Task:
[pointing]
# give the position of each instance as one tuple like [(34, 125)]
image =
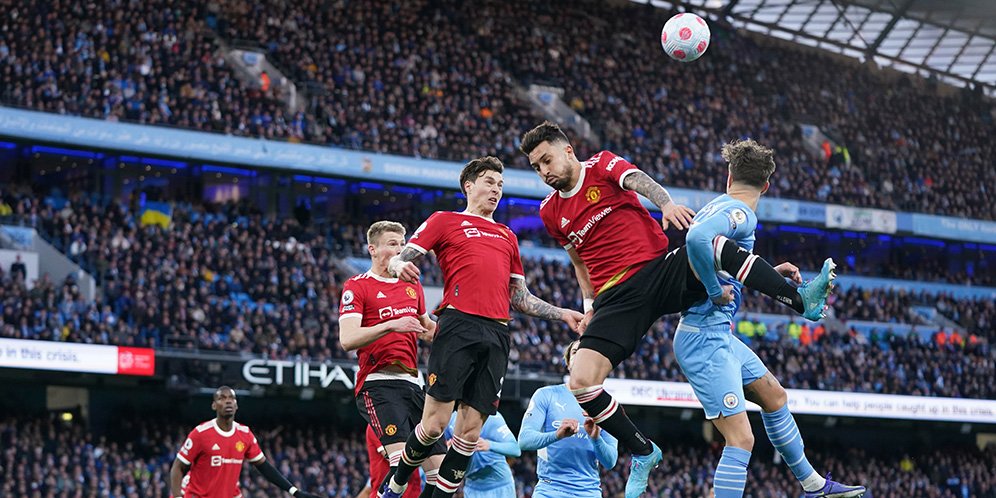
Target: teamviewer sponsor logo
[(577, 237), (388, 312)]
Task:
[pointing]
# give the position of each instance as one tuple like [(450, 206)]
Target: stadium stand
[(910, 148), (227, 278), (46, 457)]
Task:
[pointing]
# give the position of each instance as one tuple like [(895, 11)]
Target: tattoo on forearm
[(409, 254), (525, 302), (642, 184)]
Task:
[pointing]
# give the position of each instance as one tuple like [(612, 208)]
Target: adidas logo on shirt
[(466, 224), (564, 222), (216, 447), (380, 295)]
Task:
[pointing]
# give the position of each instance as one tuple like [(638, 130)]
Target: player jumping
[(214, 452), (628, 279), (721, 368), (568, 459), (381, 317), (482, 277), (488, 474)]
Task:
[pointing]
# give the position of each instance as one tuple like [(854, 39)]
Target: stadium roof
[(954, 40)]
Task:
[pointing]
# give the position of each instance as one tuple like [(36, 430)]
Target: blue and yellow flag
[(157, 213)]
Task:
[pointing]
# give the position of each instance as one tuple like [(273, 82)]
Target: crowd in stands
[(386, 81), (152, 62), (399, 77), (909, 151), (224, 277), (46, 458)]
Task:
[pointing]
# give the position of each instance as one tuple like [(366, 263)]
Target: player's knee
[(469, 434), (576, 381), (434, 428), (741, 439), (776, 399)]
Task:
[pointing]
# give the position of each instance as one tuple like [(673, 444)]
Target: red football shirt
[(606, 224), (375, 300), (379, 467), (215, 459), (478, 257)]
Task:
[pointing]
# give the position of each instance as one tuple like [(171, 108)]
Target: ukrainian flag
[(157, 213)]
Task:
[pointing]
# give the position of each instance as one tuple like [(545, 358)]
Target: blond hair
[(380, 227)]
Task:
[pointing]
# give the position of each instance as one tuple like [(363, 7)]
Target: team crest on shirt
[(391, 430), (411, 292), (731, 400), (240, 446), (593, 194), (432, 379)]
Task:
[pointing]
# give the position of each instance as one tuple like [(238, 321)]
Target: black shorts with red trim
[(393, 408), (468, 360), (624, 313)]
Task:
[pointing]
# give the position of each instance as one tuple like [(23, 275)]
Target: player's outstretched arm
[(524, 301), (176, 474), (606, 446), (702, 254), (501, 440), (277, 479), (531, 435), (641, 183), (353, 336), (403, 265)]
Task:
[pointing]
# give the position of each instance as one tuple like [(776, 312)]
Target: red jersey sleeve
[(428, 234), (515, 269), (351, 301), (253, 452), (614, 167), (191, 448)]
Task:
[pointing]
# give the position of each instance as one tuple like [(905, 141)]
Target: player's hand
[(483, 444), (591, 427), (572, 318), (789, 271), (408, 272), (677, 215), (406, 324), (430, 332), (583, 325), (725, 298), (568, 427)]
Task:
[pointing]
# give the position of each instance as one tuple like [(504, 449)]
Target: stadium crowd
[(223, 277), (153, 63), (911, 150), (47, 458), (386, 82)]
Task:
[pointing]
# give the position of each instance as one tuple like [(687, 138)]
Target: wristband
[(588, 304), (292, 490)]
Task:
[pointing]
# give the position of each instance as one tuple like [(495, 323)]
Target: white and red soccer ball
[(685, 37)]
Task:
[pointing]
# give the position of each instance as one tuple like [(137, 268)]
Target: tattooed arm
[(403, 265), (524, 301), (642, 184)]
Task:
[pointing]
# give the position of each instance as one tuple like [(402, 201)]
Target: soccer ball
[(685, 37)]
